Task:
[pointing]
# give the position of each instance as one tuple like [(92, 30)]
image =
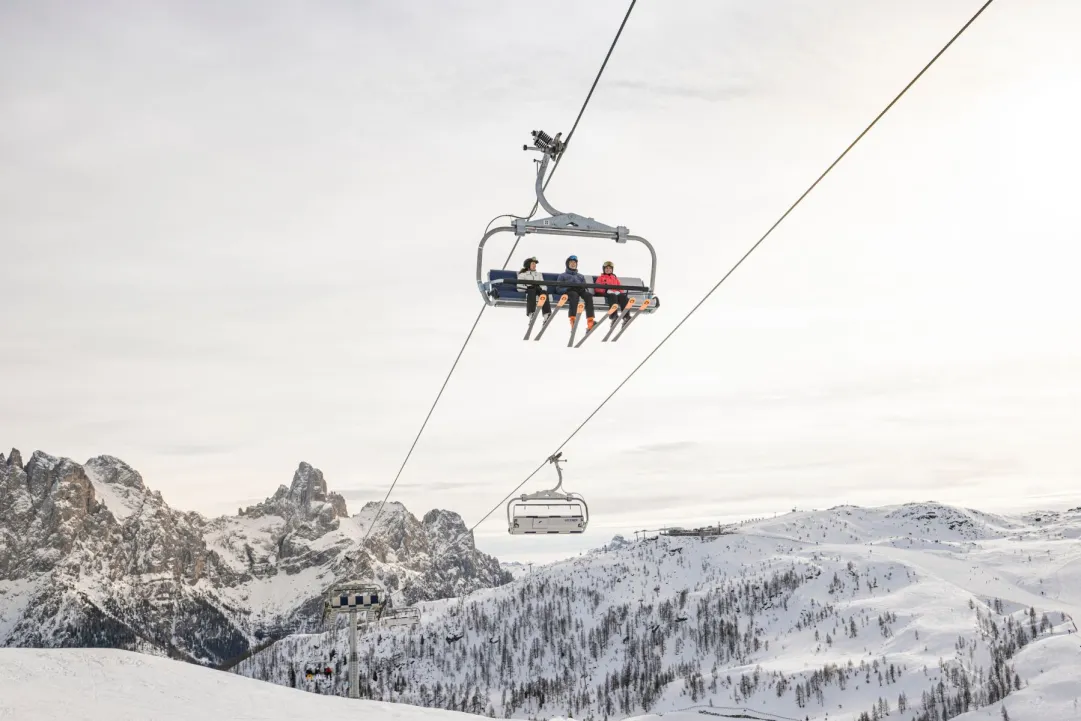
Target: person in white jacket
[(529, 272)]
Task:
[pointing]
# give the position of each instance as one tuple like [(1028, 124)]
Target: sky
[(240, 236)]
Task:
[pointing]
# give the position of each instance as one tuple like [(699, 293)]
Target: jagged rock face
[(309, 512), (47, 507), (116, 472), (306, 499), (89, 556)]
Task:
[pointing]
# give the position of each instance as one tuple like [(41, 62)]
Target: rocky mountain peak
[(308, 485), (305, 500), (446, 526), (14, 458), (110, 469), (45, 508)]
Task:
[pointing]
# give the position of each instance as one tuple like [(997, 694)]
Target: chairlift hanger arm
[(552, 148), (555, 461)]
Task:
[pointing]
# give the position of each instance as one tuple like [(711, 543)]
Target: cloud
[(195, 449), (709, 94), (669, 447)]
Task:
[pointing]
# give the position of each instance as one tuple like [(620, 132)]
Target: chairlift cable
[(581, 112), (726, 275), (469, 336)]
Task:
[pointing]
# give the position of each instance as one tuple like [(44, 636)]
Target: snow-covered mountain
[(516, 569), (920, 611), (89, 556)]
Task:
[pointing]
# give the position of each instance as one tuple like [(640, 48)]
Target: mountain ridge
[(92, 556)]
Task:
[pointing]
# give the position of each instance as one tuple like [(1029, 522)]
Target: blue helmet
[(570, 258)]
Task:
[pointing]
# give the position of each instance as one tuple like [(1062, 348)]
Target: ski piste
[(577, 320), (536, 311), (551, 317), (628, 323), (597, 325), (625, 317)]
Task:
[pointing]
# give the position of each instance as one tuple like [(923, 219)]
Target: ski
[(626, 315), (631, 320), (577, 320), (551, 316), (597, 325), (533, 317)]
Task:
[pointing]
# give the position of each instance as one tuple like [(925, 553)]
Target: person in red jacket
[(614, 297)]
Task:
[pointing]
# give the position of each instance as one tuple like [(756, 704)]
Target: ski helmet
[(608, 264), (570, 258)]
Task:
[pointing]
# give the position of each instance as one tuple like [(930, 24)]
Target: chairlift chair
[(525, 516), (500, 289), (407, 616)]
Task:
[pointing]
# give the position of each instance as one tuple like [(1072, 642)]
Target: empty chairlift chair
[(394, 617), (546, 512)]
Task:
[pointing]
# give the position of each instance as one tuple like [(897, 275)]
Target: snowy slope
[(110, 685), (838, 612)]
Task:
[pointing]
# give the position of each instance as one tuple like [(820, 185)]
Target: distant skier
[(571, 275), (327, 671), (529, 272), (614, 297)]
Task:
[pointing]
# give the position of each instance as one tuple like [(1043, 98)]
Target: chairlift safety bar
[(568, 284)]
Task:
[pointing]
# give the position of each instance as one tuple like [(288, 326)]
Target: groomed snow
[(109, 685)]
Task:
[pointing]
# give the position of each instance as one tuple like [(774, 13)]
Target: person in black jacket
[(571, 275)]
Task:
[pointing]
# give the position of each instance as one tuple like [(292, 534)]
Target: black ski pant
[(622, 299), (531, 300), (572, 303)]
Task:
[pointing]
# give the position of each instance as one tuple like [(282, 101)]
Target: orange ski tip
[(563, 299), (613, 309), (581, 306)]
